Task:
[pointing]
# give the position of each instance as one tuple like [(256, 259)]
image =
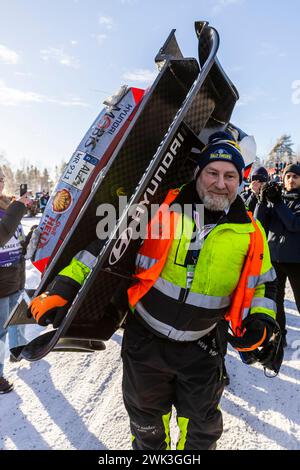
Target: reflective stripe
[(264, 302), (207, 301), (167, 288), (169, 331), (193, 298), (245, 312), (145, 262), (86, 258), (183, 425), (269, 276)]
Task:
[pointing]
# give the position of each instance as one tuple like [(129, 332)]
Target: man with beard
[(190, 274), (279, 212)]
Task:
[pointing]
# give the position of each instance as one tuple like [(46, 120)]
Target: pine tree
[(9, 188), (46, 182), (282, 152)]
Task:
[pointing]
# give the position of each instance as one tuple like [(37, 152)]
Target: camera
[(270, 190)]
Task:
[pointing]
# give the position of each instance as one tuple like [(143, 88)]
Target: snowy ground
[(74, 401)]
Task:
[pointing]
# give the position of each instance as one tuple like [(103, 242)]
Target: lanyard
[(201, 234)]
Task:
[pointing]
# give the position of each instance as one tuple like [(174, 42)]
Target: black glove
[(262, 197), (270, 355), (52, 306), (272, 192), (258, 330)]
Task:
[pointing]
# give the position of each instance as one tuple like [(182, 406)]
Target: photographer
[(258, 177), (279, 213), (12, 270)]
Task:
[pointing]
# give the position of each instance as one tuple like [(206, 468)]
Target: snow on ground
[(74, 400)]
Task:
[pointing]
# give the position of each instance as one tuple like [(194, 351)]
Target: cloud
[(73, 42), (24, 74), (101, 38), (140, 75), (14, 97), (71, 102), (253, 96), (220, 5), (58, 55), (235, 69), (268, 49), (8, 56), (107, 22)]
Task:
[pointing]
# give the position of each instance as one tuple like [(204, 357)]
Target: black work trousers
[(284, 271), (159, 373)]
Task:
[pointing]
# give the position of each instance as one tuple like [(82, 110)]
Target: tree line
[(36, 179)]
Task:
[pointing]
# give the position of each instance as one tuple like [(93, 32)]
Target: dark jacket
[(12, 278), (282, 224), (250, 200)]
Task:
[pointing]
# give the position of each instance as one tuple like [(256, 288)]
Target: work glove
[(52, 305), (270, 355), (257, 333), (271, 192)]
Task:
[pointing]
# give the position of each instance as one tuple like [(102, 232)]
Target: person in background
[(258, 177), (12, 271), (279, 213), (44, 200)]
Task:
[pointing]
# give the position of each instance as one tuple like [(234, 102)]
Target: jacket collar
[(292, 195)]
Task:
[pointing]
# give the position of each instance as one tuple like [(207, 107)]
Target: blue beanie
[(222, 147)]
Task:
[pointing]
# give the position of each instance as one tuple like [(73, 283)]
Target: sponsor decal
[(79, 170), (120, 119), (50, 227), (61, 201), (108, 123), (121, 245), (104, 122)]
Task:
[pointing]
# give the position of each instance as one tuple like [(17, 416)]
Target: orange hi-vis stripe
[(243, 294), (163, 226)]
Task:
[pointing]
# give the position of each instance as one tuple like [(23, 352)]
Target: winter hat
[(221, 147), (293, 168), (260, 174)]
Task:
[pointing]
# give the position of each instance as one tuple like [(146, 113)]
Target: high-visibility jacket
[(229, 278)]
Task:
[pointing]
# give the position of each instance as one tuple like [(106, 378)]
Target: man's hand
[(257, 334), (25, 199), (272, 192), (47, 308), (255, 186), (51, 306)]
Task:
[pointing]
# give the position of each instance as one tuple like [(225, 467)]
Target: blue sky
[(60, 59)]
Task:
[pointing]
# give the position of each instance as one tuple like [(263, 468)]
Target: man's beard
[(215, 203)]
